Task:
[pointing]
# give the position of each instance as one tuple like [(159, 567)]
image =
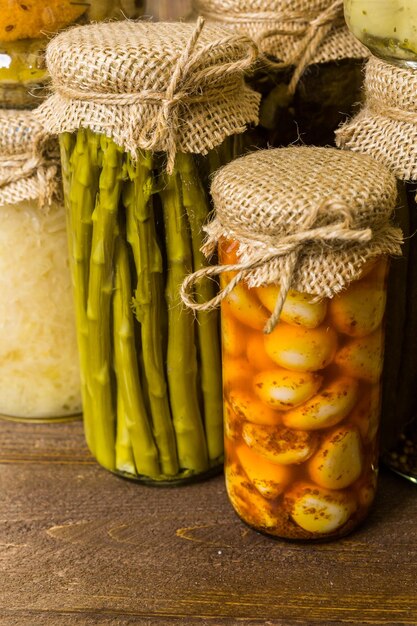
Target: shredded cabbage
[(39, 370)]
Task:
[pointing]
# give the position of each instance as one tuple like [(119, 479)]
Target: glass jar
[(302, 405), (387, 27), (151, 371), (137, 201), (24, 33), (39, 372)]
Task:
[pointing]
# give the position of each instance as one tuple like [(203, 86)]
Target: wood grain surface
[(79, 546)]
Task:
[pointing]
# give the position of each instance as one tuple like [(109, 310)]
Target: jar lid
[(386, 127), (29, 160), (304, 218), (152, 86), (278, 27)]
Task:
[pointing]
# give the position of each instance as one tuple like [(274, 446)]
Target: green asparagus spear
[(80, 169), (197, 207), (181, 354), (102, 409), (125, 461), (129, 391), (148, 301)]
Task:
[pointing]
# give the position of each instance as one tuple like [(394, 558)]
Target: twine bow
[(312, 33), (186, 86), (288, 247), (27, 165)]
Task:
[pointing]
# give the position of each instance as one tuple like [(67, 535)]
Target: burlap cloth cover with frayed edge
[(295, 32), (386, 127), (155, 86), (29, 161), (306, 218)]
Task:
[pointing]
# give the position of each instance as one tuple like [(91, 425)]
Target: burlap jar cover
[(300, 221), (29, 161), (294, 33), (386, 129), (159, 87)]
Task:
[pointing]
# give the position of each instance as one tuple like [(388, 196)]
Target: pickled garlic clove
[(245, 307), (279, 444), (236, 373), (248, 408), (233, 336), (256, 353), (319, 510), (338, 462), (359, 310), (363, 357), (270, 479), (246, 500), (299, 308), (366, 413), (301, 349), (329, 407), (283, 390)]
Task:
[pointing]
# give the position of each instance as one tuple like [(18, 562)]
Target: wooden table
[(79, 546)]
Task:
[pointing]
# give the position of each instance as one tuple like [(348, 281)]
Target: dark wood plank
[(80, 546)]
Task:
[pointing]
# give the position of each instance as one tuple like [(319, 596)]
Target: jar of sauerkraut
[(26, 27), (303, 266), (387, 27), (39, 374)]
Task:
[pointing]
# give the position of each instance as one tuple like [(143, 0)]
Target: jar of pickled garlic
[(39, 373), (26, 27), (386, 130), (136, 202), (387, 27), (303, 265), (310, 69)]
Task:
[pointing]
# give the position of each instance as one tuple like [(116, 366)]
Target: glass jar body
[(39, 374), (387, 27), (24, 33), (302, 406), (151, 371), (399, 414), (326, 95)]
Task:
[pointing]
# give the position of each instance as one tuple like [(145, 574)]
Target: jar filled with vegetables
[(310, 69), (387, 27), (142, 110), (386, 129), (26, 26), (39, 373), (303, 266)]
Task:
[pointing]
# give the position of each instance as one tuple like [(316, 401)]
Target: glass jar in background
[(151, 370), (310, 77), (385, 129), (39, 372), (303, 269), (387, 27), (25, 29)]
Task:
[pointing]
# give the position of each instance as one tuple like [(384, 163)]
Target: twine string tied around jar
[(266, 248), (187, 85)]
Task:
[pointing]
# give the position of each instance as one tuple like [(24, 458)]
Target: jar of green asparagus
[(310, 69), (25, 28), (386, 129), (39, 373), (142, 110)]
